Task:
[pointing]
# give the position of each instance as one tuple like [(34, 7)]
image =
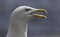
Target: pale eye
[(27, 9)]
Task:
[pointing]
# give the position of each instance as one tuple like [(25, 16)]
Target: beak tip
[(43, 16)]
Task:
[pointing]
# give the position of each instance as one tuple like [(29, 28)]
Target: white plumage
[(19, 20)]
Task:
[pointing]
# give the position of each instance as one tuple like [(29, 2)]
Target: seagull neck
[(18, 28)]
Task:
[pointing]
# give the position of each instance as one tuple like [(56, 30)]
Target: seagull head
[(29, 12), (20, 18)]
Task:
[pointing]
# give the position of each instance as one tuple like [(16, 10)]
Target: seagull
[(20, 18)]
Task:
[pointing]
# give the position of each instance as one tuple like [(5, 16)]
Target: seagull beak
[(39, 15)]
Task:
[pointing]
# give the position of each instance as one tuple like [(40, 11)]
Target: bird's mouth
[(40, 15)]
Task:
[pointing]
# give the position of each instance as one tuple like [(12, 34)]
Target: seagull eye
[(27, 9)]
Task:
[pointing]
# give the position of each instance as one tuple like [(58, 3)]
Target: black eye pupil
[(28, 9)]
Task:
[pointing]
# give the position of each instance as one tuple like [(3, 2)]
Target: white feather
[(19, 22)]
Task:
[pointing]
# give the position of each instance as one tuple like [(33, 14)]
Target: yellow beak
[(39, 15)]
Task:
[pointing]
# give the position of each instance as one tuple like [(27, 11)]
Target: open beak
[(39, 15)]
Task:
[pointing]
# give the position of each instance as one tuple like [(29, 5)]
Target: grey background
[(37, 27)]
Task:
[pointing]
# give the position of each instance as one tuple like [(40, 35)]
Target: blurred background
[(49, 27)]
